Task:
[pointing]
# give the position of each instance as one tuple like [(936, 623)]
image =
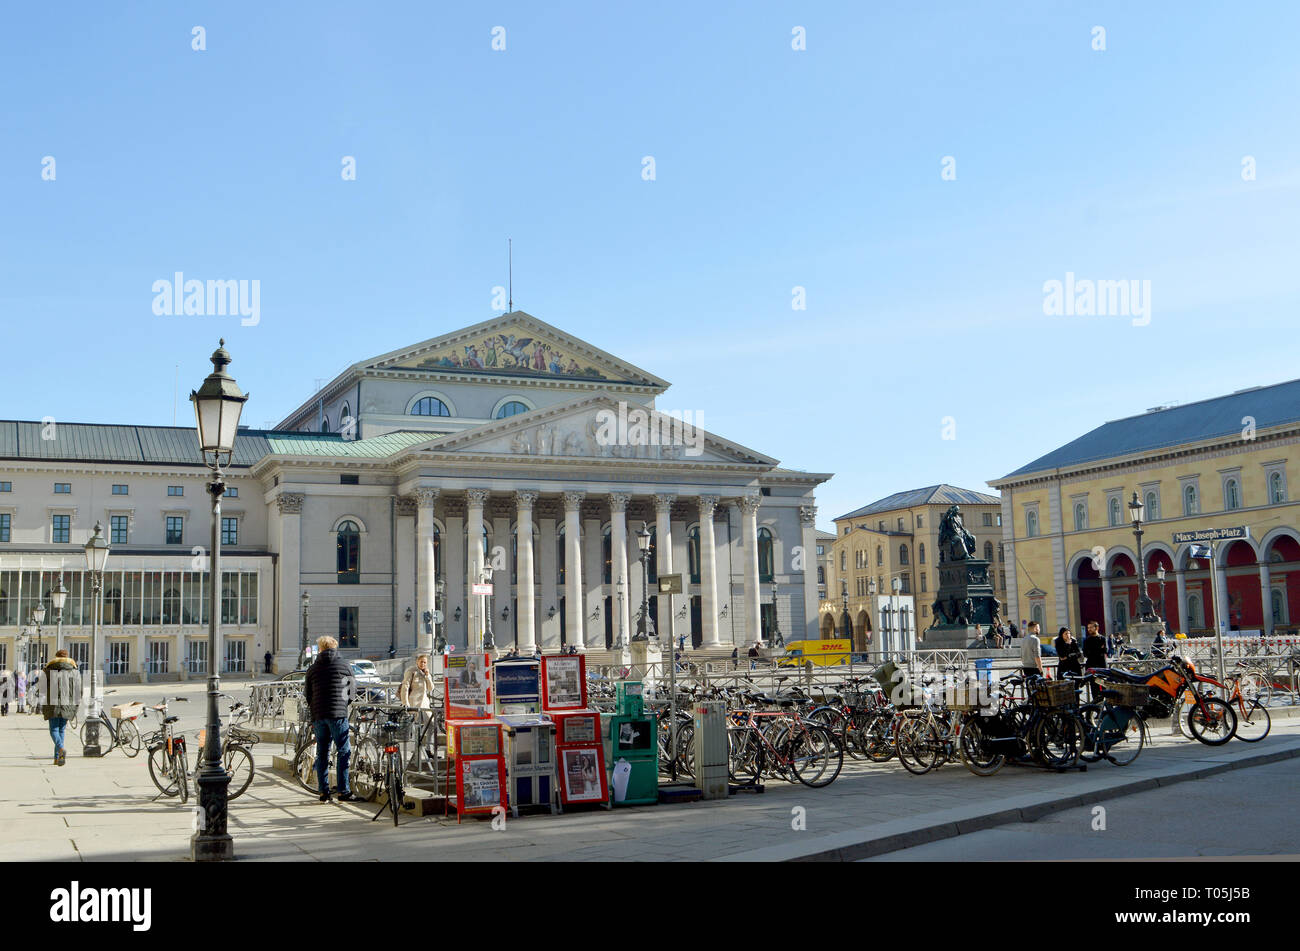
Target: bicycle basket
[(1054, 694), (1127, 695), (242, 736), (399, 729)]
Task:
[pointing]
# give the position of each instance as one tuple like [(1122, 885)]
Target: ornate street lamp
[(38, 619), (1160, 576), (1144, 608), (489, 639), (217, 406), (845, 622), (305, 601), (622, 632), (896, 586), (58, 598), (440, 591), (645, 628), (96, 558), (776, 618)]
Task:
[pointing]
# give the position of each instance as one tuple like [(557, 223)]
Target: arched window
[(325, 424), (513, 408), (607, 556), (988, 551), (1120, 615), (693, 556), (1114, 511), (430, 406), (1276, 490), (1036, 614), (902, 555), (1031, 524), (766, 566), (880, 555), (1080, 516), (1194, 618), (844, 560), (1278, 605), (345, 415), (1189, 500), (920, 553), (348, 553), (1153, 506), (1231, 495)]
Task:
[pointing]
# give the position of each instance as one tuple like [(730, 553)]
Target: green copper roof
[(332, 444)]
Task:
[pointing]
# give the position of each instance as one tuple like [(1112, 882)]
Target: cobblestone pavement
[(97, 809)]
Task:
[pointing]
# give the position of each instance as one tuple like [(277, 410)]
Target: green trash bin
[(631, 740)]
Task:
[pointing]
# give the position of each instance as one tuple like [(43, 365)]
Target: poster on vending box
[(582, 773), (467, 687), (564, 682), (479, 784)]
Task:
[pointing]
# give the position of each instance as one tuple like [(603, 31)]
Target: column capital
[(573, 500), (524, 499), (748, 504), (664, 502), (618, 501), (808, 514), (707, 505), (406, 505), (426, 495), (477, 497), (290, 503)]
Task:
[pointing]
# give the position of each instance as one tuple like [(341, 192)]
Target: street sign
[(1211, 535), (480, 587), (670, 584)]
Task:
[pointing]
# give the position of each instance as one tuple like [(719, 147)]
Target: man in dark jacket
[(1094, 647), (60, 691), (328, 688)]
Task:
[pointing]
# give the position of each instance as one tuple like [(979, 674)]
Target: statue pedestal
[(1142, 633), (948, 637)]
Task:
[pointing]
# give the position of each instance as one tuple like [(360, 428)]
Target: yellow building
[(897, 537), (1219, 463)]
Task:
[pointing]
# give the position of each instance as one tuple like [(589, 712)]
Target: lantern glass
[(1136, 508), (97, 550), (39, 613), (643, 538), (59, 596)]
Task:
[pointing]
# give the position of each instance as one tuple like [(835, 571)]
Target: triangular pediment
[(599, 426), (516, 344)]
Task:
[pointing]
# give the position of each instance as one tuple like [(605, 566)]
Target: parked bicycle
[(121, 733), (236, 751), (1114, 730), (167, 764), (788, 746), (1253, 719)]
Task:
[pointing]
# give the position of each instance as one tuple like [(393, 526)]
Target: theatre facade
[(383, 499)]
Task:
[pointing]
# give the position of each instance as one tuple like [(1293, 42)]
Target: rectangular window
[(248, 598), (6, 486), (120, 490), (920, 521), (117, 529), (79, 651), (196, 656), (4, 527), (230, 531), (171, 597), (62, 529), (175, 525), (63, 488), (232, 492), (923, 584), (175, 490), (988, 519), (158, 657), (349, 480), (347, 627), (119, 657)]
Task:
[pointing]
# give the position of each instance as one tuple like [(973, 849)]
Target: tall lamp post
[(776, 619), (440, 602), (96, 558), (645, 628), (1164, 615), (1144, 608), (58, 598), (305, 601), (489, 600), (38, 619), (896, 586), (217, 406), (622, 631)]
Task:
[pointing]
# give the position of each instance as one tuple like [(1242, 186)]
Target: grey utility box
[(710, 743)]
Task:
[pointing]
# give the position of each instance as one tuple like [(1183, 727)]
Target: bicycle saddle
[(171, 720), (1126, 677)]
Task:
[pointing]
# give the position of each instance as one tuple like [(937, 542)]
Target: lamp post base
[(211, 842), (211, 848), (92, 747)]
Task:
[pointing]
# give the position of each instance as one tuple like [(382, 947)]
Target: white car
[(366, 672)]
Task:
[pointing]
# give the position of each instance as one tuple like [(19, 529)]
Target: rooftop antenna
[(176, 382), (510, 273)]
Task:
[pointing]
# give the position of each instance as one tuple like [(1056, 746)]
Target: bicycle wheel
[(180, 773), (239, 767), (1056, 739), (106, 740), (686, 749), (1253, 721), (160, 771), (128, 737), (744, 755), (1179, 718), (304, 768), (818, 757), (1212, 721), (917, 741), (1255, 685), (880, 741), (855, 735), (974, 753), (1090, 748), (831, 718), (1122, 744), (395, 792), (365, 770)]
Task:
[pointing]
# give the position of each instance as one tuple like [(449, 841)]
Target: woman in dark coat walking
[(1068, 653)]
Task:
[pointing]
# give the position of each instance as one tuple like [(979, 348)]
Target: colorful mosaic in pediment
[(515, 350)]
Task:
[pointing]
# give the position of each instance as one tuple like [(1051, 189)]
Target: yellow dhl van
[(821, 653)]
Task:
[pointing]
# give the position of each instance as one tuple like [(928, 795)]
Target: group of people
[(1072, 655), (55, 689)]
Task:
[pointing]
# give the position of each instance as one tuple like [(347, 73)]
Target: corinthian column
[(708, 575), (618, 568), (749, 515), (524, 499), (475, 499), (573, 616), (426, 565)]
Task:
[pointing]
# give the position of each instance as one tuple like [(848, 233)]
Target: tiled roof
[(942, 494), (1191, 422)]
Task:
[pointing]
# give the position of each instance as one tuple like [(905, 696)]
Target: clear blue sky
[(775, 168)]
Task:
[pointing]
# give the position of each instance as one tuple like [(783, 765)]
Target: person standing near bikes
[(61, 692), (1031, 652), (1069, 652), (417, 691), (1094, 647), (328, 688)]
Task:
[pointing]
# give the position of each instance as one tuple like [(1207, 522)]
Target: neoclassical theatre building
[(509, 444)]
